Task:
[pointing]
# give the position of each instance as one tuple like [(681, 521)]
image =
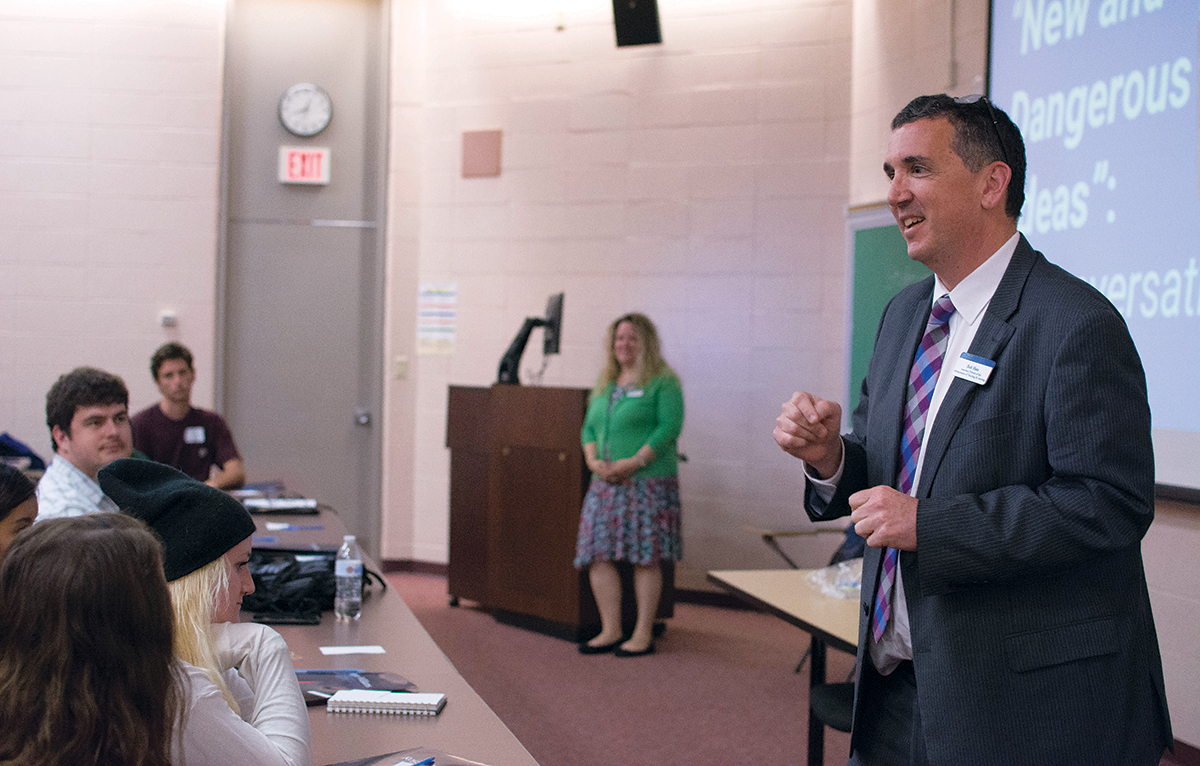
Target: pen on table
[(329, 671)]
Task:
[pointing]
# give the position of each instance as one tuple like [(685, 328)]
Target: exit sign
[(303, 165)]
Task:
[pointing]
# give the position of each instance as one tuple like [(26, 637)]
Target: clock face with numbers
[(305, 109)]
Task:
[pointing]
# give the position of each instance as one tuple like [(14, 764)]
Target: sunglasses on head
[(991, 113)]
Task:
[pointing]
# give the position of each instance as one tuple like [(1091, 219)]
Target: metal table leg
[(816, 729)]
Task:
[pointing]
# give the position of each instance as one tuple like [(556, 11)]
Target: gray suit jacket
[(1033, 640)]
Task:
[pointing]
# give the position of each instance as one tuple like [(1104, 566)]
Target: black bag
[(294, 586), (291, 582)]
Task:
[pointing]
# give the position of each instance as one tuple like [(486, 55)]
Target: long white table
[(467, 727)]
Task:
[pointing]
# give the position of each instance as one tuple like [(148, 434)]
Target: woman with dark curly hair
[(87, 671)]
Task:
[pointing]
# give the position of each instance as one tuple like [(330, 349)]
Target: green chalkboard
[(881, 269)]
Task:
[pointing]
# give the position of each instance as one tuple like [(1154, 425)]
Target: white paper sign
[(374, 649)]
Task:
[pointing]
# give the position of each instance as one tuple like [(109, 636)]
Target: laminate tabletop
[(791, 595), (466, 727)]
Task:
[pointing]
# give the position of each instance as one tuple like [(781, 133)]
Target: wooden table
[(791, 596), (466, 727)]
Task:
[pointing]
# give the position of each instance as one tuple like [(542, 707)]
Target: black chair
[(829, 704), (833, 704)]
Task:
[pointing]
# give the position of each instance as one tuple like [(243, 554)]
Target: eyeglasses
[(991, 113)]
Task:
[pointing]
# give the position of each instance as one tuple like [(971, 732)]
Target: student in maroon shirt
[(195, 441)]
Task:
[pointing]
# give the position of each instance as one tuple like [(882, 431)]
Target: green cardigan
[(651, 415)]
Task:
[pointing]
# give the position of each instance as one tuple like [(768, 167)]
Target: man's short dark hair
[(977, 139), (165, 353), (81, 387)]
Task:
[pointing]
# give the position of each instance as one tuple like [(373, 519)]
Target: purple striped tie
[(921, 381)]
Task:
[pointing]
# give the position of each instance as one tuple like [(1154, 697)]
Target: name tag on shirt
[(193, 435), (635, 393), (974, 368)]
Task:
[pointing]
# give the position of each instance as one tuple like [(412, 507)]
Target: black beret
[(196, 523)]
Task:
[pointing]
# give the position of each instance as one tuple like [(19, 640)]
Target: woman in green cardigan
[(631, 511)]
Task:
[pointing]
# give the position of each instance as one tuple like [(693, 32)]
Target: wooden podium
[(517, 481)]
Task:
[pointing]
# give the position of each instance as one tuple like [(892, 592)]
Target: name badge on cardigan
[(973, 368), (634, 393), (193, 435)]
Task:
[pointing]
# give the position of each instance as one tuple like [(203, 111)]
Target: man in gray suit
[(1003, 494)]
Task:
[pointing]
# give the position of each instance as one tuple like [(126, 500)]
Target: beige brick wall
[(109, 144), (702, 181)]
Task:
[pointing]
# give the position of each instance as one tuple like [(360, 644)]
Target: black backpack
[(294, 586)]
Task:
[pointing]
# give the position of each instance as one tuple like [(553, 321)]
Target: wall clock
[(305, 109)]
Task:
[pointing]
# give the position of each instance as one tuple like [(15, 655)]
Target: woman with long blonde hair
[(244, 704), (631, 511)]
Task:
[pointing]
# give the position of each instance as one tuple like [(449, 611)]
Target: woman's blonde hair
[(194, 598), (650, 364)]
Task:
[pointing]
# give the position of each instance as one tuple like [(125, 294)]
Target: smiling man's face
[(935, 199)]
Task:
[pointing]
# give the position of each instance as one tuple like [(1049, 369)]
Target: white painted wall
[(904, 49), (109, 141), (702, 181)]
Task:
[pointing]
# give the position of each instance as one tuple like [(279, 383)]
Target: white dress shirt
[(64, 490), (970, 297)]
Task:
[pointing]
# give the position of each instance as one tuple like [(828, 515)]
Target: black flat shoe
[(586, 648), (619, 652)]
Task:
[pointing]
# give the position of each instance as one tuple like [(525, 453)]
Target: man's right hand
[(808, 429)]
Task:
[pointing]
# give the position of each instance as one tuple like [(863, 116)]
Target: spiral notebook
[(393, 703)]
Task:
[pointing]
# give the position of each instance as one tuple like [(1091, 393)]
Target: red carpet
[(719, 691)]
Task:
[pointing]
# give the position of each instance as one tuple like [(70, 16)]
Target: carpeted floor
[(719, 691)]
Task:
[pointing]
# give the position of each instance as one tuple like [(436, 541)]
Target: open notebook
[(319, 685), (416, 755)]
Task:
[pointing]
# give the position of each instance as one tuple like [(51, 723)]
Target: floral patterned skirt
[(637, 521)]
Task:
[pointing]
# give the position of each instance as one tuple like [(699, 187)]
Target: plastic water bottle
[(347, 604)]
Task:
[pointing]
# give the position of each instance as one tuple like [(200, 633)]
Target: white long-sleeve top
[(273, 727)]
